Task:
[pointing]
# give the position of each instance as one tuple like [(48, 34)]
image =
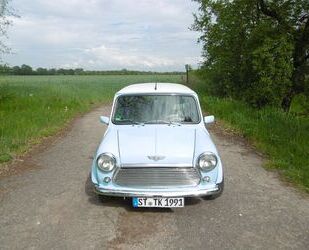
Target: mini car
[(156, 148)]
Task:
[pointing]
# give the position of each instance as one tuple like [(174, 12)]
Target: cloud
[(101, 34), (131, 59)]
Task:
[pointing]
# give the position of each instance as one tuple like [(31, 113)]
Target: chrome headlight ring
[(207, 161), (106, 162)]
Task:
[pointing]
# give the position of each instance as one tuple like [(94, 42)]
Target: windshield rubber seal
[(155, 94)]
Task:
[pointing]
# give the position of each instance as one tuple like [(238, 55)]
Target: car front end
[(158, 181), (156, 152)]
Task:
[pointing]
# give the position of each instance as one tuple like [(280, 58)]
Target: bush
[(283, 137)]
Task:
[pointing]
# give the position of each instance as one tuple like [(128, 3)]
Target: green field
[(34, 107)]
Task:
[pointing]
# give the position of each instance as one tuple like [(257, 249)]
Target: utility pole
[(187, 72)]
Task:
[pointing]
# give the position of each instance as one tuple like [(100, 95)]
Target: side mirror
[(104, 120), (209, 119)]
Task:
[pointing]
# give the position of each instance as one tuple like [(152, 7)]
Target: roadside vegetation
[(282, 137), (255, 76), (33, 107)]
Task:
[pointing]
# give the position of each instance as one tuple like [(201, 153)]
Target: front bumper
[(215, 189)]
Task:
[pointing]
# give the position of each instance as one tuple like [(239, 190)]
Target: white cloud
[(103, 34), (113, 56)]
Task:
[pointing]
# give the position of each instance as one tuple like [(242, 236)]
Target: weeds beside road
[(284, 138)]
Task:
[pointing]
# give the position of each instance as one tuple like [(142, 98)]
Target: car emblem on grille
[(156, 157)]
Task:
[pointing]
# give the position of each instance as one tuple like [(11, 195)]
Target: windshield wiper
[(174, 123), (133, 122), (156, 122), (164, 122)]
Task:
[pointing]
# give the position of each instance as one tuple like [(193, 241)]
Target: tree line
[(255, 50), (28, 70)]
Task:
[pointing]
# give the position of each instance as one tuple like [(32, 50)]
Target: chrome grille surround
[(158, 177)]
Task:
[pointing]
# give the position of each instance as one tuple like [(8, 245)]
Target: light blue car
[(156, 148)]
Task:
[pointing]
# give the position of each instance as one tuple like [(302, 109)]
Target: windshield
[(134, 109)]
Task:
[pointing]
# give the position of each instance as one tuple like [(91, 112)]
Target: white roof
[(144, 88)]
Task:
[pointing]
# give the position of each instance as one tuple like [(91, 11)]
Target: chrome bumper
[(193, 192)]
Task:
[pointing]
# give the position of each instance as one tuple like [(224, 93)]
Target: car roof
[(154, 88)]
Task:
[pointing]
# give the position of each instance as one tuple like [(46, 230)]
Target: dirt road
[(51, 205)]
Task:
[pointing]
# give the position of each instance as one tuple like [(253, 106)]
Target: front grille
[(157, 176)]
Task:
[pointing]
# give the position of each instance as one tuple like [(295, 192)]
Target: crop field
[(34, 107)]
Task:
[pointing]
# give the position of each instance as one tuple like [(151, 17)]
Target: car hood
[(156, 145)]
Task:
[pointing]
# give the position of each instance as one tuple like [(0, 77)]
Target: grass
[(283, 137), (34, 107)]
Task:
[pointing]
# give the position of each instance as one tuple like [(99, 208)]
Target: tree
[(257, 50), (79, 71), (292, 17), (41, 71), (5, 12), (25, 70), (52, 71), (227, 28), (16, 70), (4, 69)]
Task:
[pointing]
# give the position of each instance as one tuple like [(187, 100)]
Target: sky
[(104, 34)]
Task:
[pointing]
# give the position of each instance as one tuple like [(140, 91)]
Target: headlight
[(207, 161), (106, 162)]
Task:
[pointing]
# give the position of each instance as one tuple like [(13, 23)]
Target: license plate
[(158, 202)]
